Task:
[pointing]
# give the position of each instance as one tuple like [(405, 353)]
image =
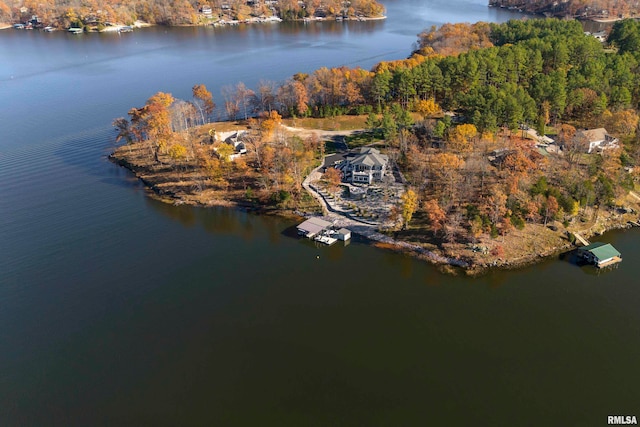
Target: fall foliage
[(575, 8), (466, 150), (274, 166), (94, 14)]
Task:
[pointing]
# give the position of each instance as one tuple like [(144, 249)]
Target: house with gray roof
[(364, 166), (597, 139)]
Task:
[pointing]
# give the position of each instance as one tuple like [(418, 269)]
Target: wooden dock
[(613, 261), (581, 239)]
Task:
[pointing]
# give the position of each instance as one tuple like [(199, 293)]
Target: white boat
[(325, 239)]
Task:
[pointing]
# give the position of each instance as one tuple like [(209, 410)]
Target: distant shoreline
[(220, 23)]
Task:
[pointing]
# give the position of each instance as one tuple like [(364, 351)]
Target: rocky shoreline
[(452, 260)]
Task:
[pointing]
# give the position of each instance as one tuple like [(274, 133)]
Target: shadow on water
[(219, 220)]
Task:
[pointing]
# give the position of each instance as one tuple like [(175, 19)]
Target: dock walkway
[(581, 239)]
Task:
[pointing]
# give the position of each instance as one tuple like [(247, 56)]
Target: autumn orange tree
[(203, 100), (153, 122), (435, 214), (333, 178)]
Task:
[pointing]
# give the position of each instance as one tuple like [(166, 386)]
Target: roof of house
[(595, 135), (333, 159), (601, 250), (344, 231), (314, 225), (370, 157)]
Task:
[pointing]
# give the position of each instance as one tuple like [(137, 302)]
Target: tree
[(294, 97), (372, 122), (177, 152), (270, 122), (550, 209), (623, 122), (231, 102), (439, 129), (224, 151), (409, 206), (625, 35), (403, 85), (435, 214), (183, 115), (153, 121), (203, 100), (496, 206), (401, 116), (123, 127), (427, 107), (380, 87), (389, 126), (265, 99), (573, 143), (244, 98), (446, 172), (460, 137), (333, 178), (498, 251)]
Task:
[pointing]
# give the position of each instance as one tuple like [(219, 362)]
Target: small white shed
[(343, 234)]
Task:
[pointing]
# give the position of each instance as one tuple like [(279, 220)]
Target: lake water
[(119, 310)]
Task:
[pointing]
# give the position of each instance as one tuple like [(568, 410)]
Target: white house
[(597, 139), (364, 166)]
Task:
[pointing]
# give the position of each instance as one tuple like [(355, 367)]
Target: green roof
[(601, 250)]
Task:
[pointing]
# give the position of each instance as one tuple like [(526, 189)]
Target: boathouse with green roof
[(601, 254)]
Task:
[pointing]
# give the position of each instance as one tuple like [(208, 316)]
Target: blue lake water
[(119, 310)]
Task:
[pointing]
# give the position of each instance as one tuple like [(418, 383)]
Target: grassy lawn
[(363, 138)]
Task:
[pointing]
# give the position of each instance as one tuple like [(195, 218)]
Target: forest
[(64, 13), (453, 117)]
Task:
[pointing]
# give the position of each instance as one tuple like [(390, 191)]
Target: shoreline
[(538, 242), (220, 23)]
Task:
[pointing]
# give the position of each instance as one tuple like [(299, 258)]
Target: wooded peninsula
[(592, 9), (492, 145)]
